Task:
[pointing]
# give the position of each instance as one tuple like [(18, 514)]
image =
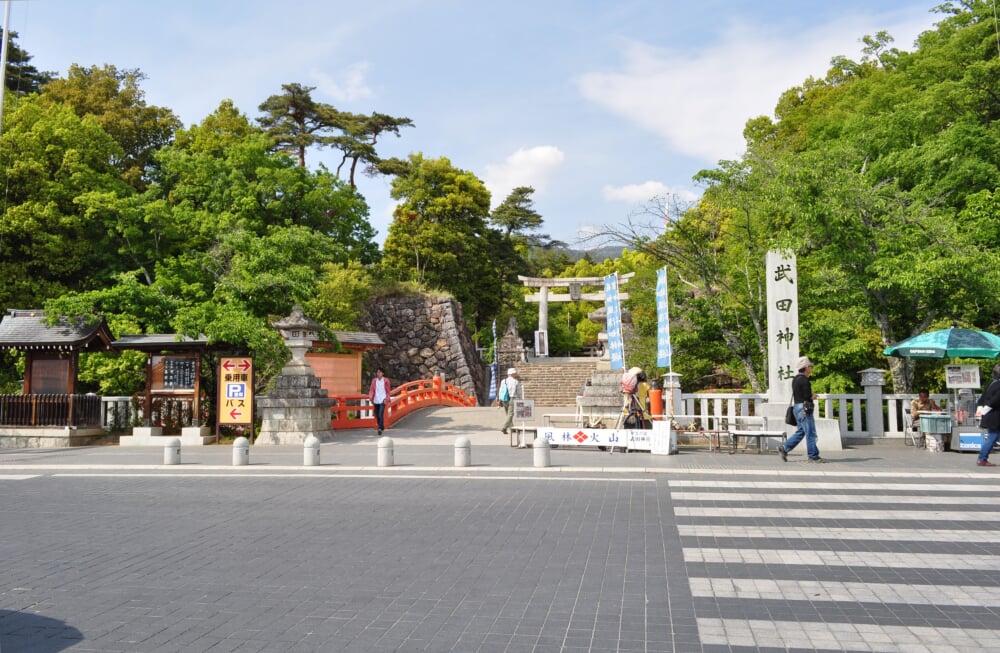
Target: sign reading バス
[(236, 390)]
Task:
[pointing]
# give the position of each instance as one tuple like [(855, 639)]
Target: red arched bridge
[(355, 411)]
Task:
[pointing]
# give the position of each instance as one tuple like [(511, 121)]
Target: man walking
[(510, 389), (990, 412), (802, 407)]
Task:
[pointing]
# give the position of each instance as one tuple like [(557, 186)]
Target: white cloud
[(532, 166), (644, 192), (699, 101), (635, 192), (349, 86)]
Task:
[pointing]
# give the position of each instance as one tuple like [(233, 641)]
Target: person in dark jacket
[(990, 402), (802, 406)]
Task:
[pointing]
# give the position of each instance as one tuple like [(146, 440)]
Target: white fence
[(715, 410), (712, 411)]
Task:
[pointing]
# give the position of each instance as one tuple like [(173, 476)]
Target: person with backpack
[(635, 389), (510, 389)]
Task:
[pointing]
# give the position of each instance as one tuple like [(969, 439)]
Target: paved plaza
[(884, 548)]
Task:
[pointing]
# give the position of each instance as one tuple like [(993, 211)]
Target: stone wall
[(423, 336)]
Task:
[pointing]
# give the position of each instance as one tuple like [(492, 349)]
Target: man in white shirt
[(513, 391)]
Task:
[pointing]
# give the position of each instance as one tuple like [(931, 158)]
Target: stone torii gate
[(575, 294)]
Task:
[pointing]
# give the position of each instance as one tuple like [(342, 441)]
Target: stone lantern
[(298, 332), (297, 407)]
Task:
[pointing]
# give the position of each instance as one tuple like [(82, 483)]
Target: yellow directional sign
[(236, 390)]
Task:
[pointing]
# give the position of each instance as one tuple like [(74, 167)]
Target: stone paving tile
[(583, 557)]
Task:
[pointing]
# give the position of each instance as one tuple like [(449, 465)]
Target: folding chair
[(912, 436)]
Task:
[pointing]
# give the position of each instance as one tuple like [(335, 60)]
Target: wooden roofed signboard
[(52, 351), (173, 368)]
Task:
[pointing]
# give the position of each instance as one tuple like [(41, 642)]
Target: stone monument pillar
[(297, 407), (872, 380)]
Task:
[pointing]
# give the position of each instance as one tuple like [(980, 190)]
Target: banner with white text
[(663, 350), (612, 304)]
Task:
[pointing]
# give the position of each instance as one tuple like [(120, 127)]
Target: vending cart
[(963, 381)]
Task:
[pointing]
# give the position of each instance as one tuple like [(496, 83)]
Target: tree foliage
[(22, 77), (117, 103), (48, 243), (881, 178), (295, 122), (440, 238)]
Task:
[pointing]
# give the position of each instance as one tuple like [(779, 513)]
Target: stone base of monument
[(827, 430), (297, 408), (152, 436)]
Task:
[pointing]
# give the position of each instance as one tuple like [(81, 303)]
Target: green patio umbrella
[(948, 343)]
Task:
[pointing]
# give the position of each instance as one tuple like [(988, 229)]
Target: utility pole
[(3, 59)]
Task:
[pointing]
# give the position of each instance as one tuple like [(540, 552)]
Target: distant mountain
[(597, 254)]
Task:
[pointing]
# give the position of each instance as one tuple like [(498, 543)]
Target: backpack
[(504, 392)]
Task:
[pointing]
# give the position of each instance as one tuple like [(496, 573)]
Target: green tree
[(358, 140), (439, 236), (516, 214), (48, 243), (295, 122), (227, 237), (340, 295), (22, 77), (118, 104)]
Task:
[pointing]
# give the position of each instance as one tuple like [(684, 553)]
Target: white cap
[(511, 372), (802, 363)]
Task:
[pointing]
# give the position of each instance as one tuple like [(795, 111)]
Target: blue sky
[(600, 106)]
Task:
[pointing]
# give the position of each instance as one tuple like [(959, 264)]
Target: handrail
[(356, 411)]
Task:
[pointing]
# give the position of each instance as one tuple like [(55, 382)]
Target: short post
[(463, 452), (872, 380), (542, 452), (310, 451), (241, 451), (385, 452), (172, 452)]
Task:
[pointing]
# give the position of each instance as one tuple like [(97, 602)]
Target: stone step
[(553, 383)]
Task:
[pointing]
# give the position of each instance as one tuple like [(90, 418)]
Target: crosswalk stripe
[(851, 499), (838, 533), (844, 637), (825, 590), (17, 477), (826, 485), (854, 511), (839, 558), (741, 575)]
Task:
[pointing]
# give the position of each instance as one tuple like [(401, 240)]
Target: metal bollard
[(241, 451), (172, 452), (310, 451), (463, 452), (385, 451), (543, 452)]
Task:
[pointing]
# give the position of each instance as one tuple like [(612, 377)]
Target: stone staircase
[(603, 400), (553, 381)]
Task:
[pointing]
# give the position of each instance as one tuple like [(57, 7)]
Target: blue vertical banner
[(612, 304), (663, 350), (493, 365)]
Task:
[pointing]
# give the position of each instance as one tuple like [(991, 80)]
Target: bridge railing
[(356, 411)]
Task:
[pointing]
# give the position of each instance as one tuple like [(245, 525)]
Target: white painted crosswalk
[(835, 565)]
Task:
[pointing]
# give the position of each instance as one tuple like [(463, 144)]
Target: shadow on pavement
[(24, 631)]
